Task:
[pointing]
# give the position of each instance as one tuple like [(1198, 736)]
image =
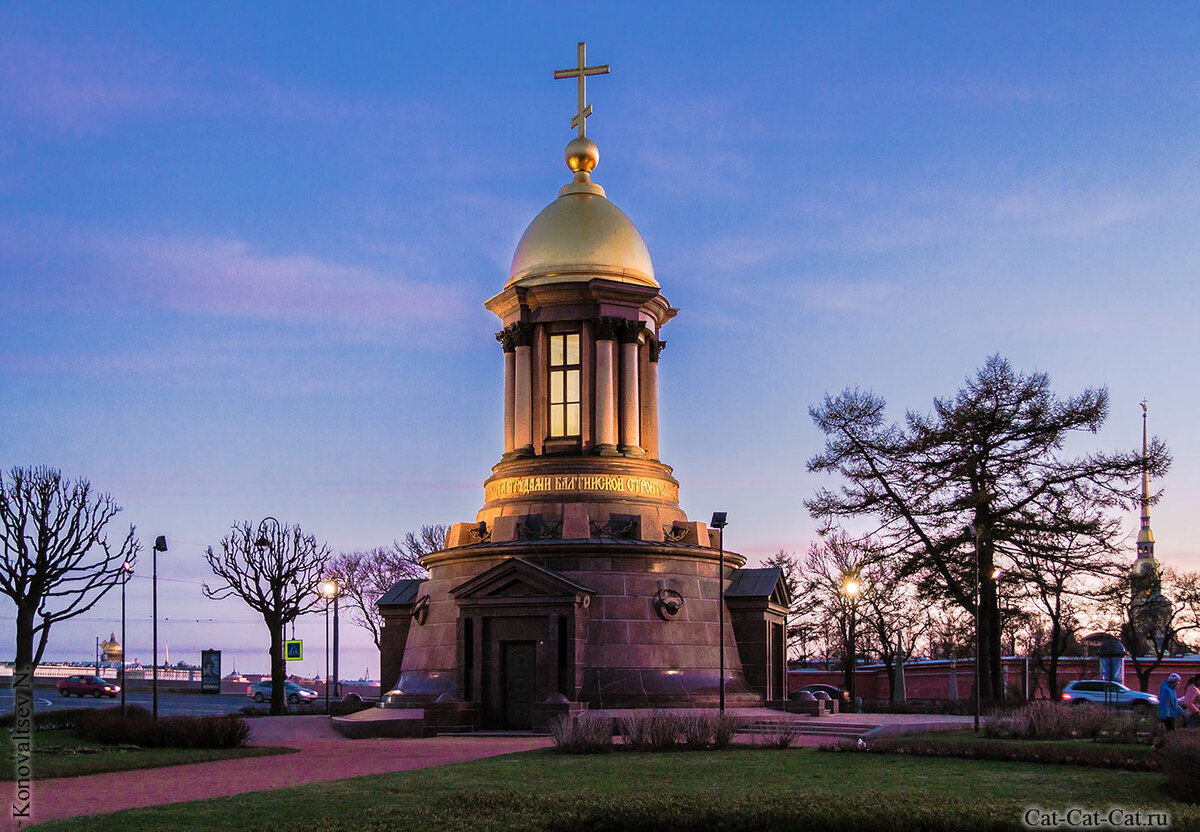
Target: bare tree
[(366, 576), (1054, 570), (833, 575), (1150, 612), (275, 569), (800, 628), (891, 612), (56, 561)]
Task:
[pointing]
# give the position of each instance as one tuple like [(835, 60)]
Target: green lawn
[(794, 790), (62, 754)]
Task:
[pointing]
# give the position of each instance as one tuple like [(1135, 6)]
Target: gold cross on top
[(581, 72)]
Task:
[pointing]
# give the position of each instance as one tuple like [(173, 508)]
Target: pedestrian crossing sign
[(293, 650)]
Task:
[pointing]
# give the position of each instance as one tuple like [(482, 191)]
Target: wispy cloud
[(85, 86), (223, 278), (227, 277)]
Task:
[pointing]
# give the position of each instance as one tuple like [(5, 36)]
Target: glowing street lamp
[(851, 588), (330, 589)]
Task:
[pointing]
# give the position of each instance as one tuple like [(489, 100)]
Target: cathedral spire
[(1145, 538)]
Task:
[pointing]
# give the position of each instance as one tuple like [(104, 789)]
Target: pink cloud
[(228, 278)]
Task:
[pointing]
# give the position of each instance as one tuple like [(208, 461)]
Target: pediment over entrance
[(518, 578)]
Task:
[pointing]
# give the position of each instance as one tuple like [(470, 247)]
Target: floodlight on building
[(160, 545), (719, 522)]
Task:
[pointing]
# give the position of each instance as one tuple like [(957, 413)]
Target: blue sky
[(243, 251)]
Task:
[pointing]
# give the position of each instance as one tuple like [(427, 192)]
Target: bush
[(1048, 720), (703, 730), (51, 720), (1180, 755), (653, 731), (138, 728), (781, 733), (585, 734)]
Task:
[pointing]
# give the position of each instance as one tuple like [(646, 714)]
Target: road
[(188, 704)]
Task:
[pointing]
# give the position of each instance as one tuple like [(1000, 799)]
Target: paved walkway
[(324, 755), (327, 755)]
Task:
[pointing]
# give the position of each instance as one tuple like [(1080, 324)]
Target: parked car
[(832, 691), (294, 693), (87, 685), (1111, 693)]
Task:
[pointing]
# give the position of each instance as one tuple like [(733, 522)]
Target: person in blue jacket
[(1168, 701)]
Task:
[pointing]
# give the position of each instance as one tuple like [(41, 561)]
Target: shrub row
[(1095, 755), (106, 725), (51, 720), (663, 731), (1047, 720)]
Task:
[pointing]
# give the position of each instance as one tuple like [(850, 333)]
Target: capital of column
[(606, 327), (515, 335), (628, 332), (656, 346)]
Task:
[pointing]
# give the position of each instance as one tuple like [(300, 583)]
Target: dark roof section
[(402, 592), (754, 583)]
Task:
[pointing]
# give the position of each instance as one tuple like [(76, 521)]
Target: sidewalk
[(324, 755)]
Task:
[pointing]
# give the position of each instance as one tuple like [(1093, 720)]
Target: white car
[(294, 693), (1108, 693)]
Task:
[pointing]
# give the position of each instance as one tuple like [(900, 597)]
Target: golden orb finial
[(582, 155)]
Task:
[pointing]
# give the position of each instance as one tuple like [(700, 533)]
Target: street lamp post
[(160, 545), (263, 543), (851, 587), (330, 589), (974, 536), (126, 571), (719, 523)]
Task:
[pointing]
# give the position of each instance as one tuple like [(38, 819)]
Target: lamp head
[(160, 543), (852, 587), (328, 588), (718, 520)]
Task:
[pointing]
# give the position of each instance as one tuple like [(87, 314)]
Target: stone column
[(630, 428), (606, 416), (510, 364), (522, 389), (649, 386)]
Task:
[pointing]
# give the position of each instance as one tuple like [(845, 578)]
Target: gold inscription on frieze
[(594, 483)]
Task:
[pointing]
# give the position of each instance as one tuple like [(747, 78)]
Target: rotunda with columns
[(581, 583)]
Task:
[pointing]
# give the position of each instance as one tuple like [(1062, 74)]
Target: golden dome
[(581, 234)]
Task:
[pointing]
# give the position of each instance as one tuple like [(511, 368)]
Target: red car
[(83, 685)]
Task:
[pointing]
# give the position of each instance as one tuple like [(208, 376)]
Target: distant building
[(111, 650)]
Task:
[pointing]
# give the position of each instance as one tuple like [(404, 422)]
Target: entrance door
[(518, 662)]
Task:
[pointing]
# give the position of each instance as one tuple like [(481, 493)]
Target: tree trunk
[(1055, 652), (991, 673), (278, 668)]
